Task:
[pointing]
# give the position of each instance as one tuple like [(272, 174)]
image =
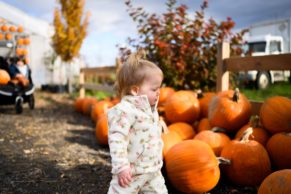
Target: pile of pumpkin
[(206, 135), (97, 111), (17, 35)]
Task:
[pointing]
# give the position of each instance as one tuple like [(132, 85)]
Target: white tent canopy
[(30, 24)]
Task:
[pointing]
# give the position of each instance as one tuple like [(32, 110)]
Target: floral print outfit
[(135, 142)]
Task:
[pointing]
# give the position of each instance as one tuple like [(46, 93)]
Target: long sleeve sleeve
[(119, 125), (13, 70)]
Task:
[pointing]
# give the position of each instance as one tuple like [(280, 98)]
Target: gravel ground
[(52, 149)]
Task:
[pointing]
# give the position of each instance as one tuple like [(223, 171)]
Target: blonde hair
[(133, 72)]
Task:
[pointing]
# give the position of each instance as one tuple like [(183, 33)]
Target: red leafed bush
[(184, 47)]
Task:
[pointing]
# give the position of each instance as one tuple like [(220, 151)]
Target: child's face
[(20, 63), (151, 87)]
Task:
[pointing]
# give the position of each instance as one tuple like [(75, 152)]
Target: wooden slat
[(99, 70), (99, 75), (96, 87), (260, 63)]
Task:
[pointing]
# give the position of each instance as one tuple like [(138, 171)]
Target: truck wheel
[(263, 80)]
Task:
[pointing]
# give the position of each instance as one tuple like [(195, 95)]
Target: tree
[(184, 48), (70, 30)]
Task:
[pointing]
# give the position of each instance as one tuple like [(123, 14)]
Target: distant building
[(46, 67)]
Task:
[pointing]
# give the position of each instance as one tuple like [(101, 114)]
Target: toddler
[(134, 133), (19, 72)]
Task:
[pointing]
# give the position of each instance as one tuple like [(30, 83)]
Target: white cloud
[(110, 24), (104, 21), (33, 7)]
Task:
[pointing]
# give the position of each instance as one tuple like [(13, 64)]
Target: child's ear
[(134, 90)]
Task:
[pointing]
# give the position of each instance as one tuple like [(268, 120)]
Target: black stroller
[(16, 94)]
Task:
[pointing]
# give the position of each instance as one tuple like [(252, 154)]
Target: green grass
[(99, 95), (276, 89)]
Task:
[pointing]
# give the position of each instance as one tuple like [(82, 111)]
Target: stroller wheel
[(31, 101), (18, 105)]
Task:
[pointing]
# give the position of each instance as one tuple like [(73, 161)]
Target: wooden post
[(223, 52), (82, 82)]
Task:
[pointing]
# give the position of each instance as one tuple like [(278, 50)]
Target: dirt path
[(53, 149)]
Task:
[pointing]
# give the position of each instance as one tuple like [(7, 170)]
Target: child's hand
[(124, 177), (18, 75)]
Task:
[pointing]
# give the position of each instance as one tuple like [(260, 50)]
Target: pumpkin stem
[(222, 160), (199, 94), (246, 135), (161, 110), (218, 129), (255, 121), (163, 125), (235, 97)]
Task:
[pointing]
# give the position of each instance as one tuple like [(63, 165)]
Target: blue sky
[(110, 24)]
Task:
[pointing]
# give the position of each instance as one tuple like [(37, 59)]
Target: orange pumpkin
[(182, 106), (277, 182), (8, 36), (100, 108), (250, 162), (101, 130), (275, 114), (22, 81), (79, 104), (229, 110), (4, 77), (12, 29), (1, 36), (170, 138), (87, 105), (20, 29), (185, 130), (24, 52), (204, 100), (203, 125), (259, 134), (165, 93), (19, 51), (26, 41), (4, 28), (20, 41), (192, 167), (279, 149), (115, 100), (216, 140)]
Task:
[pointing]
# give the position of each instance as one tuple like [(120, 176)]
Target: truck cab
[(259, 46)]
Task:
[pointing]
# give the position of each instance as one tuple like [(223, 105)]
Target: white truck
[(266, 38)]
